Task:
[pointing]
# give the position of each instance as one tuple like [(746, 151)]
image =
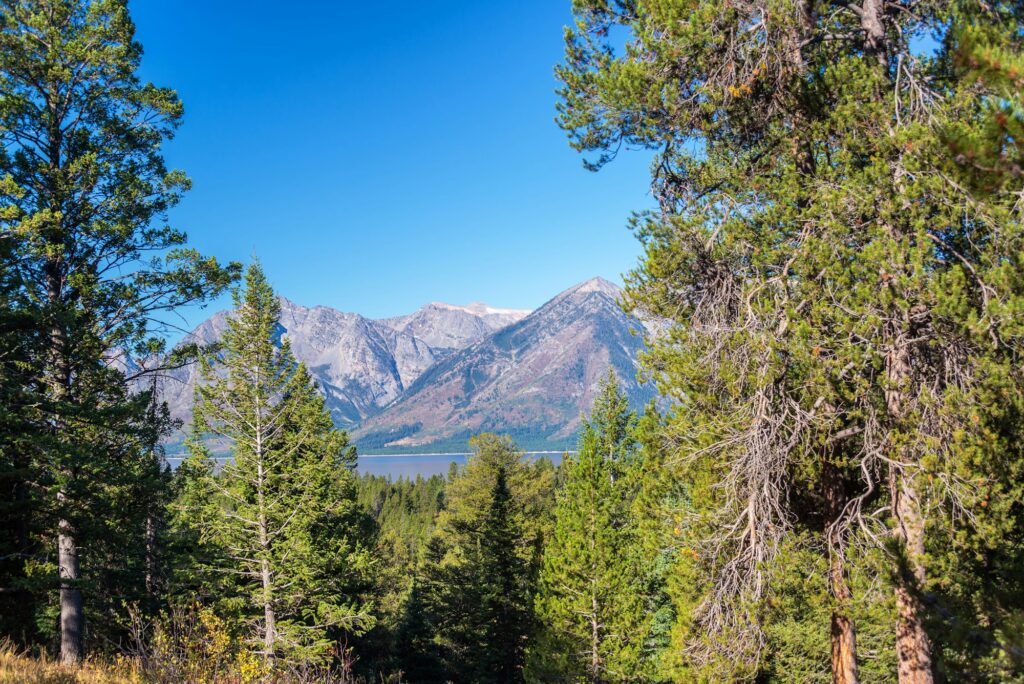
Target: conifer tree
[(480, 567), (284, 518), (991, 155), (590, 599), (191, 558), (844, 312), (19, 344), (506, 590), (84, 192)]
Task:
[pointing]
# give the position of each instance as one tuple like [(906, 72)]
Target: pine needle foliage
[(282, 521), (591, 601), (843, 289)]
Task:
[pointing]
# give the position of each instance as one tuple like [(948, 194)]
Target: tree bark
[(844, 633), (843, 630), (266, 576), (72, 614), (269, 619), (872, 22), (58, 377), (151, 561), (913, 647)]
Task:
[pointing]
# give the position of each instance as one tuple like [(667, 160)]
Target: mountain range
[(428, 380)]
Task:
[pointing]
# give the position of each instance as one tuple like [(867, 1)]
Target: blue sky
[(377, 156)]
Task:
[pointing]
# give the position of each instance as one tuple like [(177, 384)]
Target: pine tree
[(843, 311), (85, 191), (284, 517), (417, 655), (590, 598), (480, 567), (991, 155), (506, 589)]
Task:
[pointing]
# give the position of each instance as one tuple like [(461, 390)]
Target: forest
[(829, 488)]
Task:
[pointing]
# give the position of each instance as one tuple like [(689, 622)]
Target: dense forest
[(831, 487)]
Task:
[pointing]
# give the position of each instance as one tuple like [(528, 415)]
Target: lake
[(409, 466)]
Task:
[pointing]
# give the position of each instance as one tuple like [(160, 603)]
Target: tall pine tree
[(590, 600), (85, 191), (843, 310), (480, 566), (282, 516), (506, 589)]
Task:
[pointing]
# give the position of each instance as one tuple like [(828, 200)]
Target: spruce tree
[(480, 567), (590, 600), (284, 519), (85, 192), (19, 515), (506, 589)]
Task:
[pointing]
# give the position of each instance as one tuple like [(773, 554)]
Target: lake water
[(409, 466)]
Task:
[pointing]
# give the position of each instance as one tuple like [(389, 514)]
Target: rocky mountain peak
[(532, 379), (597, 284), (446, 370), (481, 309)]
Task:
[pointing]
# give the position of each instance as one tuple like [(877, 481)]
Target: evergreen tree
[(480, 567), (284, 521), (190, 560), (84, 190), (843, 311), (991, 155), (417, 656), (506, 589), (591, 594), (19, 344)]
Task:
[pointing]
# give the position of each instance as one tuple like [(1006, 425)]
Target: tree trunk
[(266, 577), (72, 615), (844, 634), (913, 647), (58, 377), (843, 631), (872, 22), (269, 619), (151, 561)]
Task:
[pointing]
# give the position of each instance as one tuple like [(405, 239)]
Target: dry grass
[(17, 667)]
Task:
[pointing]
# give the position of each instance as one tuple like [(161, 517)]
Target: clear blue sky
[(377, 156)]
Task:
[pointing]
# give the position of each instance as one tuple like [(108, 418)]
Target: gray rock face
[(444, 371), (532, 379), (361, 364), (447, 327)]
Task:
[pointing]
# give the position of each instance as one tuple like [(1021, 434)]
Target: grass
[(16, 667), (23, 669)]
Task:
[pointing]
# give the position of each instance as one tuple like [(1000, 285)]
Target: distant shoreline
[(402, 455), (468, 453)]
